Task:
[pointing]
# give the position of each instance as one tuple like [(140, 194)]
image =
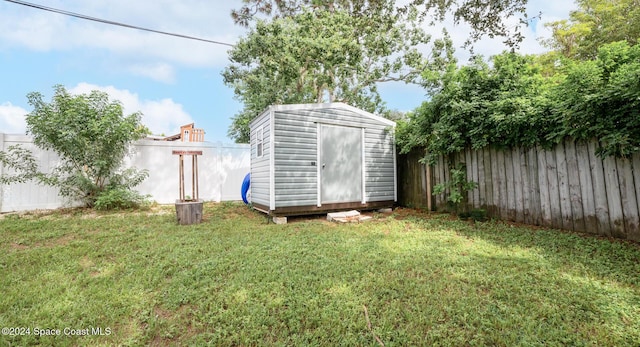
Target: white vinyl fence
[(221, 169)]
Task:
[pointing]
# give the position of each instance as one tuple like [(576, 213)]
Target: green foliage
[(594, 24), (23, 163), (478, 215), (601, 99), (458, 187), (505, 104), (485, 18), (318, 51), (316, 55), (513, 104), (91, 136), (119, 193), (120, 198)]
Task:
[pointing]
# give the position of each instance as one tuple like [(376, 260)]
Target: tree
[(595, 23), (327, 55), (323, 55), (488, 17), (91, 136)]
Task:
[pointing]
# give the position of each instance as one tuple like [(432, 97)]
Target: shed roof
[(336, 105)]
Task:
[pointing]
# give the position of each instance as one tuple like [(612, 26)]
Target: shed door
[(341, 164)]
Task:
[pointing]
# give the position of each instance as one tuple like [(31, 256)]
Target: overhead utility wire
[(81, 16)]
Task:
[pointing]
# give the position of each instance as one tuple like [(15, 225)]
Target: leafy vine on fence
[(458, 187), (525, 101)]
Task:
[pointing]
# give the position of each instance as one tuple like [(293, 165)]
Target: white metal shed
[(312, 158)]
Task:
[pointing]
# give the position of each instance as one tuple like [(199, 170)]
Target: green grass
[(237, 280)]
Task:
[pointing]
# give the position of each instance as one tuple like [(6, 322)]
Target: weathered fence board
[(510, 183), (599, 191), (573, 179), (412, 181), (482, 183), (636, 178), (439, 178), (563, 188), (472, 168), (628, 196), (518, 205), (545, 204), (567, 187), (486, 153), (614, 200), (465, 157), (502, 185), (534, 188), (586, 188), (526, 192), (554, 190), (494, 205)]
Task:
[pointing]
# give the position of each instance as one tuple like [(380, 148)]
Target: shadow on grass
[(236, 279), (615, 259)]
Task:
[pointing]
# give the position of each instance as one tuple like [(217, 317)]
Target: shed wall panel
[(260, 165), (295, 138)]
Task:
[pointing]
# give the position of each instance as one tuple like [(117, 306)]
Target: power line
[(99, 20)]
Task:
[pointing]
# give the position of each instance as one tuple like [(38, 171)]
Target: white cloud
[(160, 72), (45, 31), (163, 116), (550, 11), (36, 32), (12, 120)]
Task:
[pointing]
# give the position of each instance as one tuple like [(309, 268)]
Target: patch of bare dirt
[(401, 213), (185, 314), (86, 263), (162, 313), (18, 247), (61, 241), (86, 213)]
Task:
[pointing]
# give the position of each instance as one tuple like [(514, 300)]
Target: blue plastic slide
[(245, 188)]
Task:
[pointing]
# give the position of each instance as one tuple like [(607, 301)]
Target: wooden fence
[(412, 180), (568, 187)]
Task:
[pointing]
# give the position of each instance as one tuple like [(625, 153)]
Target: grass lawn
[(403, 279)]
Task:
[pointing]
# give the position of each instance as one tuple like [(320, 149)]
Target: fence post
[(1, 171), (429, 187), (217, 150)]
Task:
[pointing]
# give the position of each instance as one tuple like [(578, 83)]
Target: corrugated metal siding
[(296, 148), (379, 163), (260, 166)]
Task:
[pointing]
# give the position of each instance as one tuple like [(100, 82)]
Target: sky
[(172, 81)]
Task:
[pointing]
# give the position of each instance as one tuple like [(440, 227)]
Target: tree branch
[(366, 316)]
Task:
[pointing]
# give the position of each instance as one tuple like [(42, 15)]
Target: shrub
[(120, 198), (91, 135)]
